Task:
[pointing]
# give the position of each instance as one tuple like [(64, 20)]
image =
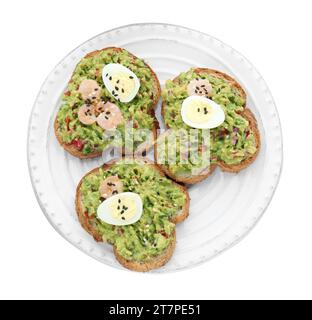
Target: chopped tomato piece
[(164, 234), (78, 144), (67, 120), (88, 216)]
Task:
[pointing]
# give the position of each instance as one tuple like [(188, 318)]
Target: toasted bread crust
[(133, 265), (77, 153), (247, 114)]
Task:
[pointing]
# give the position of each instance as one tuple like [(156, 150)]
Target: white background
[(273, 262)]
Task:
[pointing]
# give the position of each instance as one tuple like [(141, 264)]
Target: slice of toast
[(246, 114), (155, 94), (90, 227)]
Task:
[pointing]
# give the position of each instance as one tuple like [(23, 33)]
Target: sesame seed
[(130, 77), (117, 88), (123, 218), (119, 201), (122, 90), (117, 81), (96, 89), (110, 78)]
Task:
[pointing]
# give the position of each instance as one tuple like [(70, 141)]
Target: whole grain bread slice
[(246, 113), (156, 95), (89, 226)]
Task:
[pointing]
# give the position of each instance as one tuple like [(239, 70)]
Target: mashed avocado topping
[(91, 138), (233, 141), (162, 199)]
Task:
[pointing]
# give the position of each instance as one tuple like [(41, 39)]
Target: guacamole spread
[(90, 138), (162, 199), (233, 141)]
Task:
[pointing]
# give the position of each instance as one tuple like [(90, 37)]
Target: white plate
[(224, 208)]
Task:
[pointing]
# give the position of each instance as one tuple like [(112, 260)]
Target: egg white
[(215, 121), (111, 69), (103, 211)]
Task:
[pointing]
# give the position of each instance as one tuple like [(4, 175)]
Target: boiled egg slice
[(120, 81), (201, 113), (121, 209)]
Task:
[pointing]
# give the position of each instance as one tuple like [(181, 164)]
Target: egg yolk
[(199, 111), (123, 84), (123, 208)]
